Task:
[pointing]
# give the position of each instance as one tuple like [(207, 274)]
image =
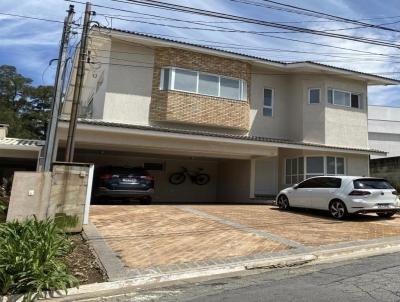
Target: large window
[(203, 83), (268, 109), (300, 168), (344, 98)]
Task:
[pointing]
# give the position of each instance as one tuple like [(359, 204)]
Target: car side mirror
[(296, 186)]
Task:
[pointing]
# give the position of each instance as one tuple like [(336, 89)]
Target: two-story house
[(254, 125)]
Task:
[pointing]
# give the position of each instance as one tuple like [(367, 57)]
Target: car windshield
[(379, 184)]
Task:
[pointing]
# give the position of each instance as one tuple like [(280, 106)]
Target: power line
[(266, 35), (33, 18), (190, 10), (320, 14)]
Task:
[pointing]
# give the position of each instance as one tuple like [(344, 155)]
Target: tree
[(24, 107)]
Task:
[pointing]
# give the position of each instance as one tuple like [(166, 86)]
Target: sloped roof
[(21, 142), (279, 142)]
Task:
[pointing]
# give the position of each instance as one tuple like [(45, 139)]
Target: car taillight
[(150, 178), (394, 192), (106, 176), (359, 193)]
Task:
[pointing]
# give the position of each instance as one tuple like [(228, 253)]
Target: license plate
[(129, 180), (380, 206)]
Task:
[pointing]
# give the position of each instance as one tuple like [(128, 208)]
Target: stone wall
[(190, 108)]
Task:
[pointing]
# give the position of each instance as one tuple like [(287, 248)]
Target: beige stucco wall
[(355, 164), (128, 95), (347, 126), (275, 126)]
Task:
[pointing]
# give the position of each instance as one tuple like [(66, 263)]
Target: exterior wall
[(183, 107), (266, 176), (57, 194), (388, 168), (128, 95), (276, 126), (355, 164), (384, 129), (347, 126), (94, 82), (233, 181)]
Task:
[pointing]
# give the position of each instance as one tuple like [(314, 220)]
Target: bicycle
[(196, 177)]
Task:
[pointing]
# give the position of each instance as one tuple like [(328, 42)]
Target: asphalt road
[(369, 279)]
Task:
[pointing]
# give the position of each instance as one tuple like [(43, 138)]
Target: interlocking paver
[(148, 236), (304, 226)]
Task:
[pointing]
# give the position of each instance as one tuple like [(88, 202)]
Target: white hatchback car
[(342, 195)]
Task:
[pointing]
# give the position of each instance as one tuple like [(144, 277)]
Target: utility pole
[(58, 91), (69, 152)]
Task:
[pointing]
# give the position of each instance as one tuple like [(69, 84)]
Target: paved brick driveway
[(157, 235)]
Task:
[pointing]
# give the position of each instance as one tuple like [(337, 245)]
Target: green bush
[(32, 258)]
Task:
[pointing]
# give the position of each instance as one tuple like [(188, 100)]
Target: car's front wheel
[(283, 202), (338, 209), (386, 214)]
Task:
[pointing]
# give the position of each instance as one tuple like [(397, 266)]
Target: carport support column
[(252, 177)]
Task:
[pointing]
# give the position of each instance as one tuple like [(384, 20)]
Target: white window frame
[(272, 102), (242, 93), (309, 95), (336, 173), (360, 98), (305, 172)]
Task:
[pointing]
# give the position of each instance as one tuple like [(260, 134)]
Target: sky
[(31, 44)]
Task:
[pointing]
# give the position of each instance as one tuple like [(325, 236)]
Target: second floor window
[(344, 98), (268, 105), (314, 95), (203, 83)]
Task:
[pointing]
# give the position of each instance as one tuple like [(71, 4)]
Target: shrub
[(32, 258)]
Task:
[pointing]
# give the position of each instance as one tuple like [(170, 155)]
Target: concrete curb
[(317, 256)]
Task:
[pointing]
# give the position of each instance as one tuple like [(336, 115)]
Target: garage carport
[(229, 161)]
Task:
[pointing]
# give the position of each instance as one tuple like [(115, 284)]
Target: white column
[(252, 177)]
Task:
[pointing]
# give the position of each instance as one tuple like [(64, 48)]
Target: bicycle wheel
[(177, 178), (202, 179)]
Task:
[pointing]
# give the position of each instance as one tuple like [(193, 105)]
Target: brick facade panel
[(182, 107)]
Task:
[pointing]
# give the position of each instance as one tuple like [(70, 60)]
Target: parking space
[(157, 235)]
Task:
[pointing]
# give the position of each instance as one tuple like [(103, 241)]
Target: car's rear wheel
[(386, 214), (283, 202), (338, 209)]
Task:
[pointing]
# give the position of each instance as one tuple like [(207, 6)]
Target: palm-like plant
[(32, 258)]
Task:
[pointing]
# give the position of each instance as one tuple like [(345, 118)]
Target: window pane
[(341, 98), (268, 97), (244, 90), (301, 165), (355, 100), (340, 165), (377, 183), (185, 80), (314, 96), (229, 88), (294, 179), (294, 166), (165, 83), (330, 165), (267, 111), (330, 96), (208, 84), (315, 165), (288, 180), (288, 166)]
